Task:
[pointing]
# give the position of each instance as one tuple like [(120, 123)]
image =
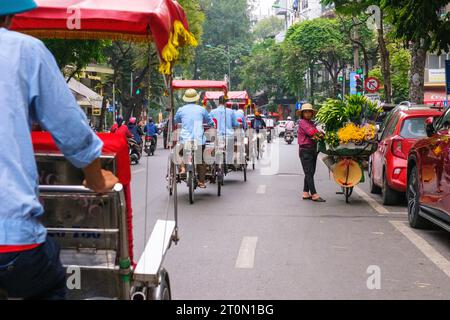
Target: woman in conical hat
[(307, 151)]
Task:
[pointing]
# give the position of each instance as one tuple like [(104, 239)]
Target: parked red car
[(402, 128), (428, 191)]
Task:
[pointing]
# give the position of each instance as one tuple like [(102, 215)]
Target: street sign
[(298, 106), (372, 84), (373, 96), (96, 111)]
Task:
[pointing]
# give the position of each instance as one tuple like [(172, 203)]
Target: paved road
[(260, 240)]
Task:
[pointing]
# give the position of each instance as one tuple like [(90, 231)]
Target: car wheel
[(374, 189), (390, 196), (412, 195)]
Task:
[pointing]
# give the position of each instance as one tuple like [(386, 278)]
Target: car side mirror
[(429, 126)]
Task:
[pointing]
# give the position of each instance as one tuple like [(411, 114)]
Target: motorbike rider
[(151, 130), (120, 128), (192, 117), (135, 130), (33, 89), (258, 122), (289, 126), (257, 125)]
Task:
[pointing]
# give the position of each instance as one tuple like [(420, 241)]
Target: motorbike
[(135, 151), (289, 137), (150, 145)]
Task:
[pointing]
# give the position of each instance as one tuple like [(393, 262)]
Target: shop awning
[(84, 95), (435, 97)]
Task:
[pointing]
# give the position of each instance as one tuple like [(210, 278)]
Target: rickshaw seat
[(149, 265)]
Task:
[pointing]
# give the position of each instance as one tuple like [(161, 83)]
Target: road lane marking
[(371, 201), (431, 253), (246, 256), (261, 189)]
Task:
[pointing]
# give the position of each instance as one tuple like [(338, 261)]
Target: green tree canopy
[(78, 53), (420, 20), (321, 41), (268, 27)]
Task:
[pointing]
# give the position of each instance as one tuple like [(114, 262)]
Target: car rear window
[(413, 128)]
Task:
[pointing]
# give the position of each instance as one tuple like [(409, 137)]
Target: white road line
[(399, 212), (261, 189), (139, 171), (439, 260), (371, 201), (246, 256)]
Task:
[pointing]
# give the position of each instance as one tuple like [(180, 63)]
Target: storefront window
[(433, 61)]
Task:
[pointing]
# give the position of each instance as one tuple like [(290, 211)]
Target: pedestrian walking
[(308, 151)]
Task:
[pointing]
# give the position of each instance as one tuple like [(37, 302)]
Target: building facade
[(435, 74)]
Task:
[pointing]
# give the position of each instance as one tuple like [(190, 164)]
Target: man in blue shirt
[(32, 89), (151, 130), (192, 117), (226, 123)]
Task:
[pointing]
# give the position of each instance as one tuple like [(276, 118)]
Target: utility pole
[(229, 68), (114, 102)]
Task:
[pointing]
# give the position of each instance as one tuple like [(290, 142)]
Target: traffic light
[(138, 92), (339, 89), (359, 84)]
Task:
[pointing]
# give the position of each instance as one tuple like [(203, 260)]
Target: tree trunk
[(311, 76), (355, 46), (385, 64), (417, 72)]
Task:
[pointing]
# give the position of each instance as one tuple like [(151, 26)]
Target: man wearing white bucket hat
[(192, 117), (307, 151), (32, 89)]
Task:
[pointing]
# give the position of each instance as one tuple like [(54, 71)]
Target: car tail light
[(397, 148)]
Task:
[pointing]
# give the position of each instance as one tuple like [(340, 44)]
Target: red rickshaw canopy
[(232, 95), (201, 85), (161, 21)]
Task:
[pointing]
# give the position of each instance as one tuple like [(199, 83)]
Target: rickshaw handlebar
[(76, 189)]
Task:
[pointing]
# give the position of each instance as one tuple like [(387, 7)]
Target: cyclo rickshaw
[(239, 159), (94, 231), (190, 149)]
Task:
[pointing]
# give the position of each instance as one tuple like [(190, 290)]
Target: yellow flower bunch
[(354, 133)]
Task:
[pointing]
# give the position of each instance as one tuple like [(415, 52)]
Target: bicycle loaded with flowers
[(349, 138)]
